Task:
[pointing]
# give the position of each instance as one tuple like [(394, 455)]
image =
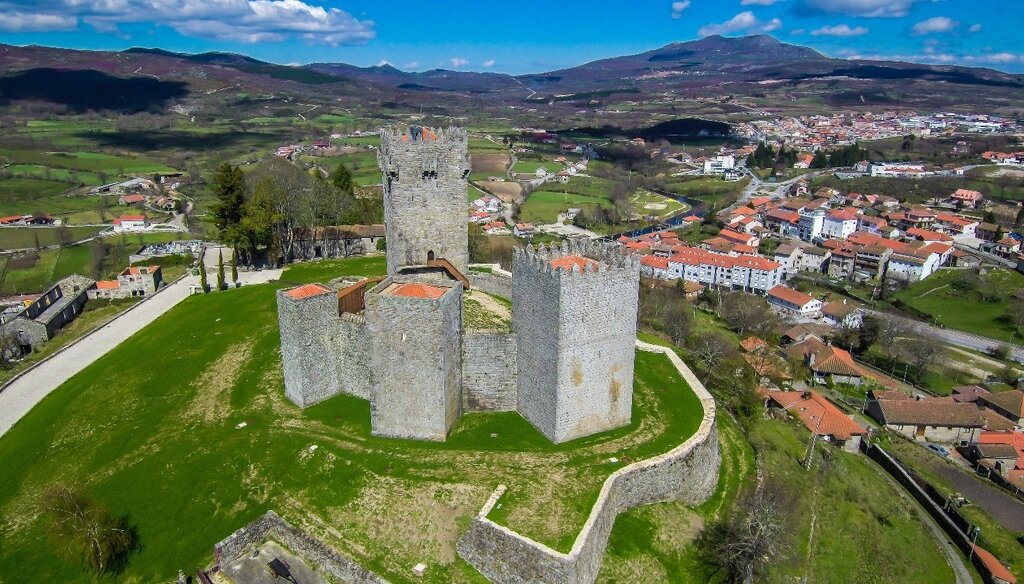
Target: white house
[(912, 267), (719, 164), (130, 223), (811, 224), (794, 302), (753, 274), (839, 223)]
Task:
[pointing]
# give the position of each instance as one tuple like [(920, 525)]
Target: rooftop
[(818, 414), (307, 291), (571, 262), (416, 290)]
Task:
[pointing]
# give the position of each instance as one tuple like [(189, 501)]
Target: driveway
[(1002, 506), (28, 390)]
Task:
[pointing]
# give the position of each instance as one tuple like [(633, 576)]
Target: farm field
[(27, 237), (156, 452), (87, 161), (710, 190), (940, 299), (531, 166), (544, 206)]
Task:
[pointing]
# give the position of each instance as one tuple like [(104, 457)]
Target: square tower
[(307, 316), (575, 311), (424, 172), (416, 331)]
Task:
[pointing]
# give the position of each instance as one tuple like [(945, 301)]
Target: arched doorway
[(430, 256)]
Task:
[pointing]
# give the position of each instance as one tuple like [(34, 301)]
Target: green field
[(711, 190), (161, 448), (966, 310), (531, 166), (27, 237), (86, 161), (544, 206)]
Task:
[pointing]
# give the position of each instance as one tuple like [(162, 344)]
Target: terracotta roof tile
[(416, 290), (818, 414), (307, 291), (572, 261)]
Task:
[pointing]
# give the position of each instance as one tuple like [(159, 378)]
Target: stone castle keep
[(399, 341)]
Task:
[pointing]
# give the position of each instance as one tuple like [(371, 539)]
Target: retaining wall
[(687, 473), (313, 551), (497, 283)]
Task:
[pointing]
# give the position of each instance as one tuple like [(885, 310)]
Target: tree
[(64, 235), (820, 160), (83, 529), (341, 178), (678, 322), (748, 314), (229, 188), (35, 236), (710, 350), (10, 350), (923, 351), (220, 270), (478, 245), (740, 546), (202, 278), (892, 332), (234, 267)]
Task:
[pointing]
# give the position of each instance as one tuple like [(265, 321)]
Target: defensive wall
[(687, 473), (488, 371)]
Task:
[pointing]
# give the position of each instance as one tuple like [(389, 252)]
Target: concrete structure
[(424, 178), (567, 365)]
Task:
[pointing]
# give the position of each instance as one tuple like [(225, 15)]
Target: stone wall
[(687, 473), (495, 283), (308, 327), (424, 176), (488, 371), (311, 550), (417, 362), (352, 355), (576, 332)]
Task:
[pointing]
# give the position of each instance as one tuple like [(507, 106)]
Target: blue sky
[(523, 36)]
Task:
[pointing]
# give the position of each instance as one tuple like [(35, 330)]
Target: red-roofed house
[(954, 224), (927, 235), (130, 223), (740, 238), (965, 198), (655, 267), (792, 301), (132, 199), (820, 417), (747, 273), (840, 223)]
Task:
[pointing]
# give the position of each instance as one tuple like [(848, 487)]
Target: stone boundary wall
[(497, 283), (687, 473), (352, 348), (312, 551), (488, 371)]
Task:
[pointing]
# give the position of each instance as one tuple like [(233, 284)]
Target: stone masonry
[(567, 367), (417, 358), (424, 176), (575, 310)]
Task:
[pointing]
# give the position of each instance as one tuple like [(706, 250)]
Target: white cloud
[(1002, 58), (489, 63), (934, 24), (248, 21), (744, 21), (840, 30), (974, 28), (863, 8), (412, 64), (458, 62), (797, 31), (29, 22), (679, 7), (758, 2)]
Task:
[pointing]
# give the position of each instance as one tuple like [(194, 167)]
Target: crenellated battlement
[(419, 135), (573, 259)]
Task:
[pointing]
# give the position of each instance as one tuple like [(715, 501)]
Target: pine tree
[(341, 178), (820, 160), (234, 266), (202, 278), (220, 270)]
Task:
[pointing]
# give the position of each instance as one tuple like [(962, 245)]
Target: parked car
[(940, 450)]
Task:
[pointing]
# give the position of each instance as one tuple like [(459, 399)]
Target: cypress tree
[(220, 270)]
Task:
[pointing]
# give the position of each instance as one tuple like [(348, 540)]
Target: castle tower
[(415, 329), (424, 174), (575, 309), (307, 316)]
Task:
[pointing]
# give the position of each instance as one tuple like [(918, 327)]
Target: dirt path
[(491, 304)]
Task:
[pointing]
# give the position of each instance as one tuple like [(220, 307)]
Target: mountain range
[(751, 65)]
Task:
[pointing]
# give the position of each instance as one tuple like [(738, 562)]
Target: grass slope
[(150, 430)]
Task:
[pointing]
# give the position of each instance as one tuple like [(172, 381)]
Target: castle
[(399, 341)]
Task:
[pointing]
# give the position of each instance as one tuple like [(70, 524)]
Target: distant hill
[(756, 65)]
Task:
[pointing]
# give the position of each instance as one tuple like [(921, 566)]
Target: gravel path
[(28, 390)]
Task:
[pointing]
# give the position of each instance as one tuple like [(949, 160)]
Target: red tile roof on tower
[(135, 271), (818, 414), (307, 291), (107, 284), (416, 290), (572, 261)]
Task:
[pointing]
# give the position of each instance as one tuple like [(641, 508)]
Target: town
[(406, 295)]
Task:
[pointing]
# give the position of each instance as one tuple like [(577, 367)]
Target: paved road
[(1002, 506), (955, 337), (28, 390)]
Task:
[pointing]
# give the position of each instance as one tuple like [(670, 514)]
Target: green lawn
[(26, 237), (87, 161), (531, 166), (966, 310), (160, 447)]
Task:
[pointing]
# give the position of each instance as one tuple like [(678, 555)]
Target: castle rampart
[(489, 371), (307, 316)]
